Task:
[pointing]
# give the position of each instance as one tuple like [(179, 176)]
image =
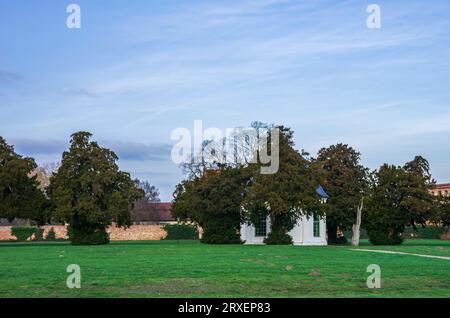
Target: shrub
[(87, 236), (428, 232), (39, 234), (362, 235), (278, 238), (180, 232), (22, 233), (385, 237), (222, 235), (51, 235)]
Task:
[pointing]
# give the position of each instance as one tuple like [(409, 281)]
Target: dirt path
[(401, 253)]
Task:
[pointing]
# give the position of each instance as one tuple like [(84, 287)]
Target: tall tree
[(89, 192), (346, 181), (400, 197), (213, 201), (420, 166), (285, 195), (19, 193)]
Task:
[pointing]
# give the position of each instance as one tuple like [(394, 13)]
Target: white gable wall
[(302, 233)]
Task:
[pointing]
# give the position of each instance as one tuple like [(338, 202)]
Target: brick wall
[(133, 233)]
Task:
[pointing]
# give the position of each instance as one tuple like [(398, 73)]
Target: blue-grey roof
[(320, 191)]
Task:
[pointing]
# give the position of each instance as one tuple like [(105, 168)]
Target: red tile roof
[(153, 212), (441, 186)]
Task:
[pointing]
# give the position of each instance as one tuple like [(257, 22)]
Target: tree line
[(87, 191), (383, 201)]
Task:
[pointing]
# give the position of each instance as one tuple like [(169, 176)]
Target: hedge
[(428, 232), (22, 233), (180, 232), (51, 235)]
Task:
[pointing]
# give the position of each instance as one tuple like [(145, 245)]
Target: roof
[(441, 186), (321, 192), (155, 212)]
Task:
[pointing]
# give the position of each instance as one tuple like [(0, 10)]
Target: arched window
[(261, 226), (316, 226)]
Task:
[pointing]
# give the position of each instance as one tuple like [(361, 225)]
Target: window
[(261, 226), (316, 226)]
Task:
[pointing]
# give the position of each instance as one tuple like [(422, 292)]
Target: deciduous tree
[(346, 182)]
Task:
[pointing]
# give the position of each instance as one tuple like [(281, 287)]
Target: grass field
[(191, 269)]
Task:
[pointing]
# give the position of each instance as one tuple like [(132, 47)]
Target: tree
[(43, 174), (234, 150), (420, 166), (285, 195), (89, 192), (399, 198), (346, 182), (19, 193), (151, 193), (213, 201), (442, 216)]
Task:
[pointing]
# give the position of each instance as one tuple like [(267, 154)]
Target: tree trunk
[(356, 227)]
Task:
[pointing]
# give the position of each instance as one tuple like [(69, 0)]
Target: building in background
[(153, 213), (441, 189)]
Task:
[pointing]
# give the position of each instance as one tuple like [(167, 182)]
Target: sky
[(136, 70)]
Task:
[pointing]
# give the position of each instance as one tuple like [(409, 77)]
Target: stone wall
[(133, 233)]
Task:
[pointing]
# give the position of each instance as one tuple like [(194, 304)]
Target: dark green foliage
[(39, 234), (384, 237), (216, 233), (341, 240), (89, 192), (428, 232), (19, 193), (362, 236), (442, 214), (346, 182), (214, 202), (22, 233), (285, 195), (399, 198), (87, 236), (278, 238), (180, 232), (51, 235)]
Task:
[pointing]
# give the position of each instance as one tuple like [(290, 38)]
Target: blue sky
[(136, 70)]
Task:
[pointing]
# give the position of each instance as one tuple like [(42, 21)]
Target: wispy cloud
[(311, 65), (124, 150), (8, 76)]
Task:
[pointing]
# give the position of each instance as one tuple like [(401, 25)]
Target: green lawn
[(191, 269)]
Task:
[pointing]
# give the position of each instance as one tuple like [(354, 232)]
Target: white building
[(308, 230)]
